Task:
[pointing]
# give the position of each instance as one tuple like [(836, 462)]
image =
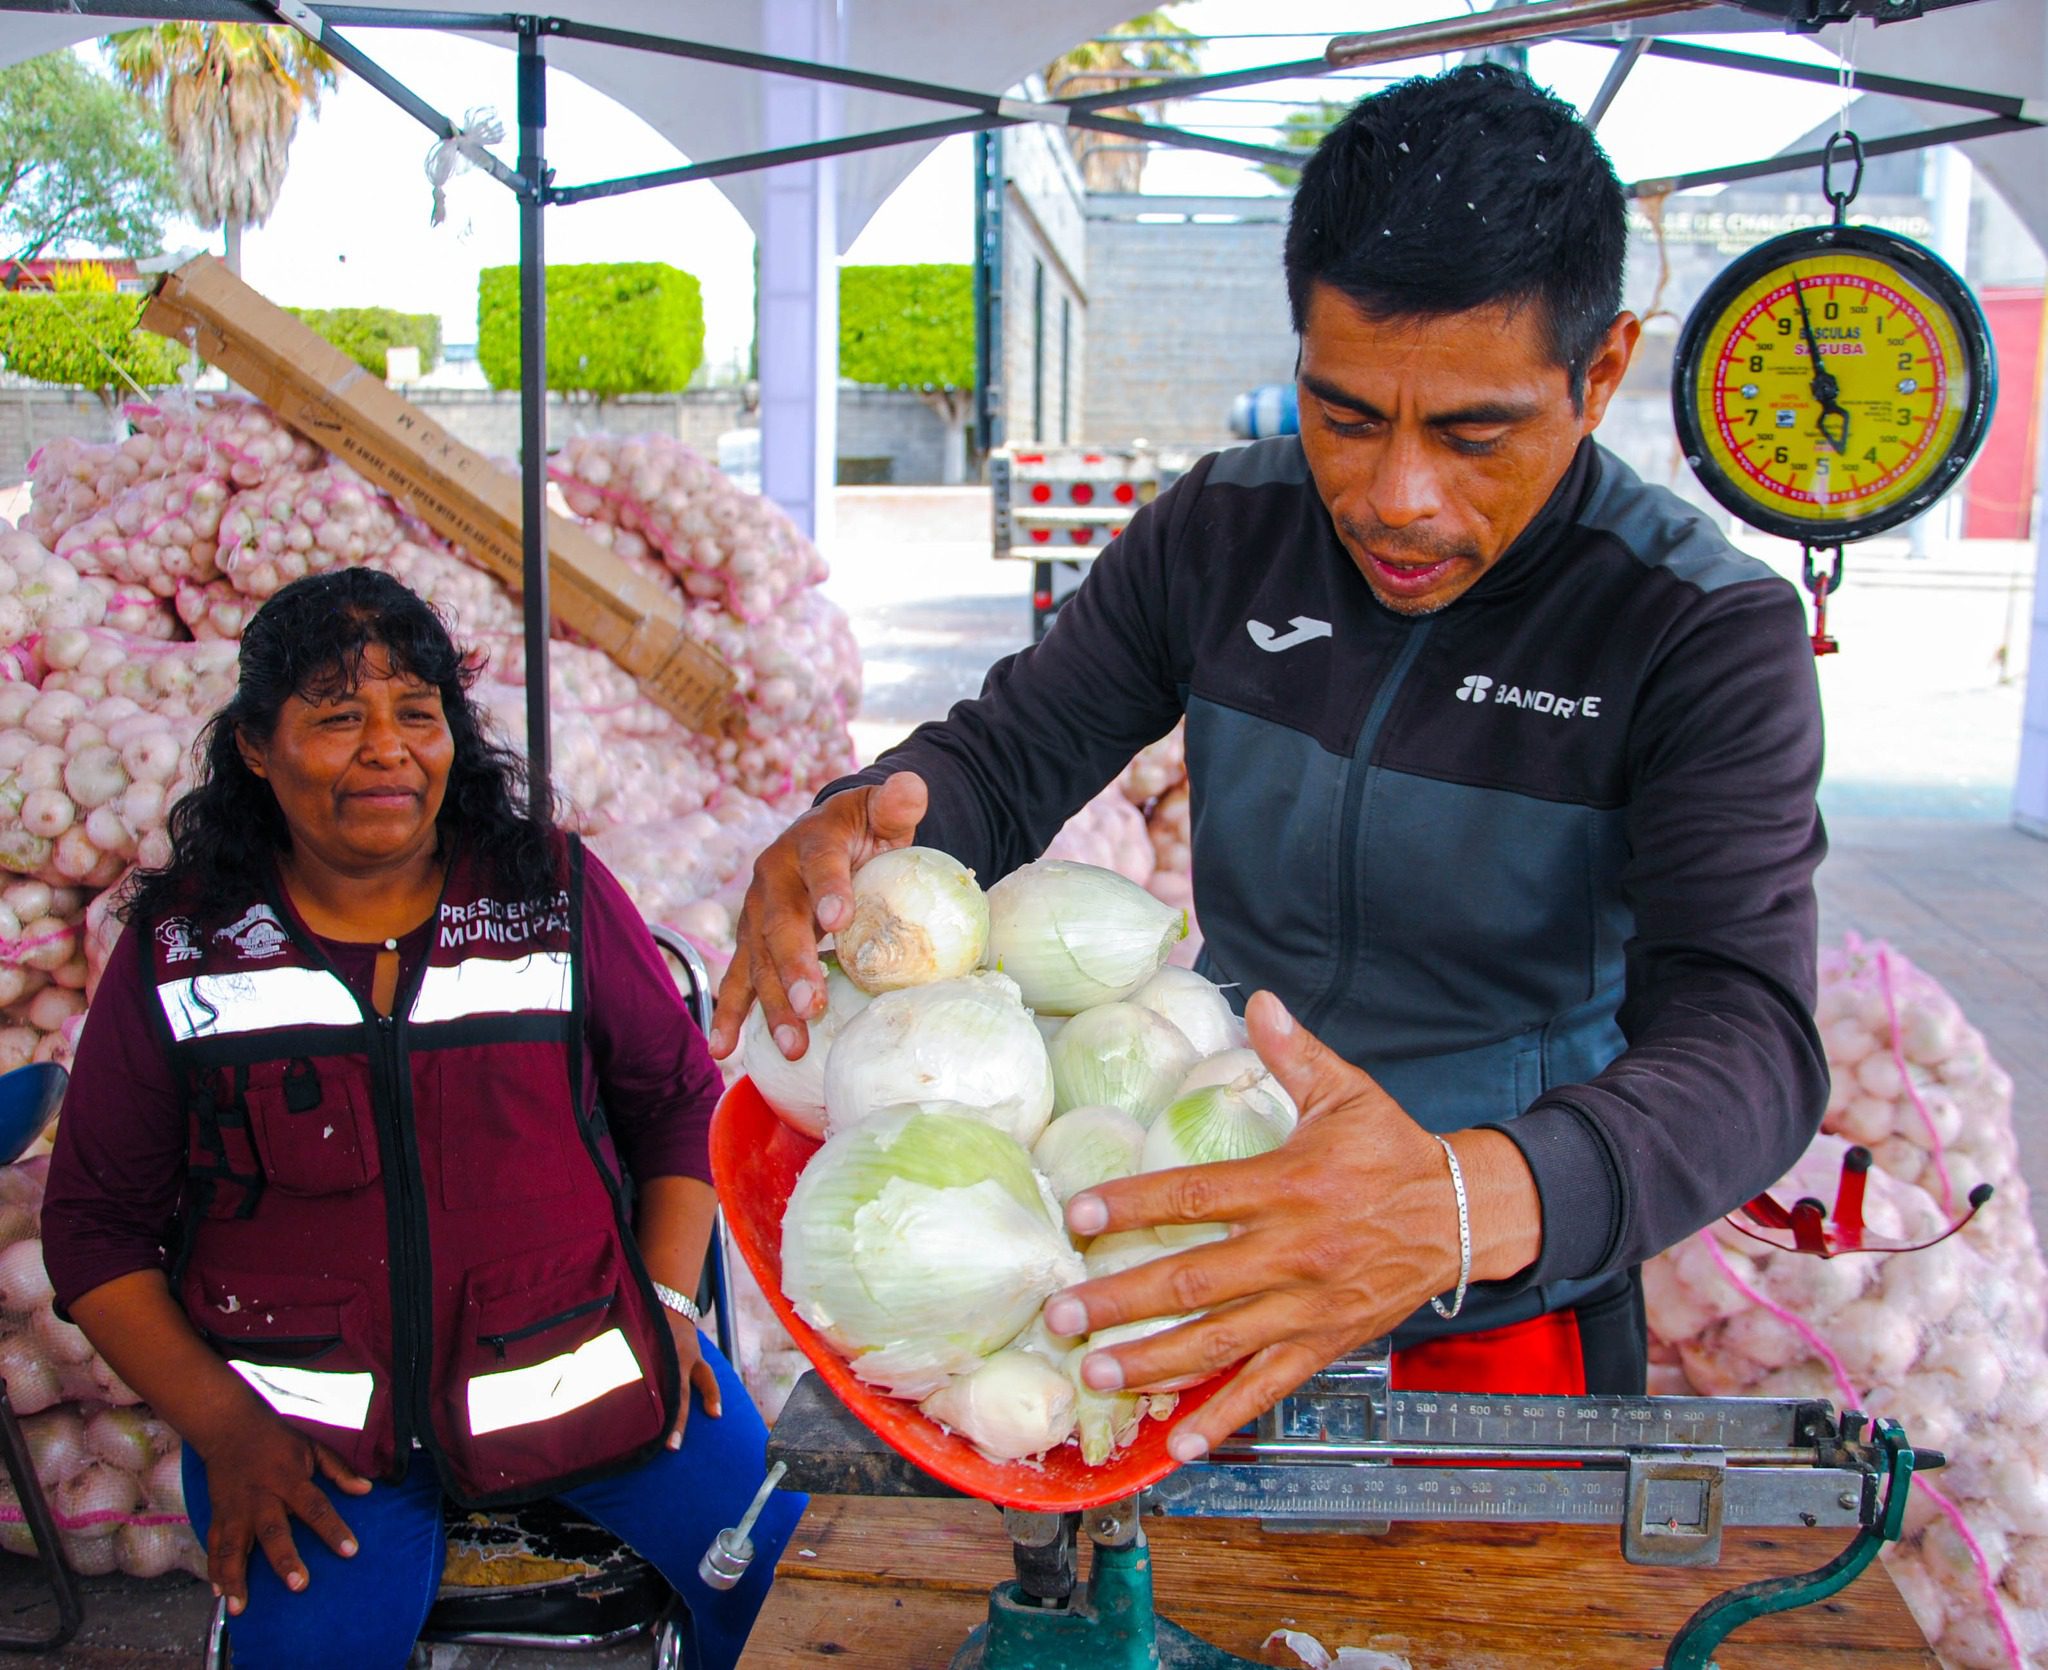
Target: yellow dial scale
[(1833, 383)]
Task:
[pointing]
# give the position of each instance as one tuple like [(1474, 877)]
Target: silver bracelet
[(1464, 1235), (684, 1306)]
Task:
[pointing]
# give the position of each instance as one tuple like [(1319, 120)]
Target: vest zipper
[(412, 1272), (1350, 905), (498, 1342)]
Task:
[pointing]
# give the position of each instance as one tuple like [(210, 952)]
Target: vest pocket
[(551, 1376), (302, 1345), (313, 1124)]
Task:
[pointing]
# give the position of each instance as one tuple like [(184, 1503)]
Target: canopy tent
[(845, 96)]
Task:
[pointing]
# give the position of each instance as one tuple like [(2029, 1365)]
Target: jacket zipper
[(1350, 905)]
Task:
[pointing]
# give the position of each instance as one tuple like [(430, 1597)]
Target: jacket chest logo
[(1306, 630), (1478, 687)]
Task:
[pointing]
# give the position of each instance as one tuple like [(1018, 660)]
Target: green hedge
[(614, 327), (71, 338), (907, 327), (364, 333)]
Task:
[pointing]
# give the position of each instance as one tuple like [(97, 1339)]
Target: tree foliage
[(1143, 49), (229, 97), (80, 164), (909, 327), (366, 333), (87, 338), (1303, 130), (614, 327)]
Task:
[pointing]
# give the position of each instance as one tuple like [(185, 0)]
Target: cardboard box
[(455, 490)]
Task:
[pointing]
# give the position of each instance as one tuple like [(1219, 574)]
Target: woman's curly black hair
[(309, 641)]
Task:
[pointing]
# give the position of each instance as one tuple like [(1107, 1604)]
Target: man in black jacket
[(1502, 770)]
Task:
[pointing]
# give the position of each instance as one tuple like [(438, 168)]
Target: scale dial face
[(1833, 383)]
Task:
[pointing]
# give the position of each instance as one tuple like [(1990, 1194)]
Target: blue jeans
[(366, 1613)]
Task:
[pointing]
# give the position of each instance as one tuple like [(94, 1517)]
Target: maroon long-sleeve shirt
[(119, 1169)]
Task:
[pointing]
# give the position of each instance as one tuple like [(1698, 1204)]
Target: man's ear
[(251, 756), (1608, 366)]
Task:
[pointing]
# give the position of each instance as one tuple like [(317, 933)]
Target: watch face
[(1832, 383)]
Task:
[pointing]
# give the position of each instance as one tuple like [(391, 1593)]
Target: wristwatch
[(681, 1303)]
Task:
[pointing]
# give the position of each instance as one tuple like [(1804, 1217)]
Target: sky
[(352, 224)]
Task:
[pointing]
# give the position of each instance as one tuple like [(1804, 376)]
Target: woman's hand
[(696, 1372), (257, 1483), (1338, 1235), (803, 887)]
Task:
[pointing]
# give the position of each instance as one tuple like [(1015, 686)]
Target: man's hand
[(1339, 1234), (802, 888), (696, 1372), (257, 1483)]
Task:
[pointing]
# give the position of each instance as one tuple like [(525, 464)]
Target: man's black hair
[(1449, 192)]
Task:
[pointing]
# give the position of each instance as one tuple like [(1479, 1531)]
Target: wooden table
[(871, 1583)]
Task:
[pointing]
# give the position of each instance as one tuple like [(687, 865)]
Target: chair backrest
[(701, 995)]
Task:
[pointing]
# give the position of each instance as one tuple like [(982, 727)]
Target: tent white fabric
[(708, 110)]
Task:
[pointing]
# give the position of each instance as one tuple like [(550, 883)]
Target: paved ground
[(1923, 716)]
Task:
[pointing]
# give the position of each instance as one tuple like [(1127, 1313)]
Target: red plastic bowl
[(755, 1162)]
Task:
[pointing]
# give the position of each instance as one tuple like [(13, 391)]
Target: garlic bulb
[(917, 917)]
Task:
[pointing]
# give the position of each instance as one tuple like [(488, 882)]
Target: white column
[(2030, 788), (799, 301)]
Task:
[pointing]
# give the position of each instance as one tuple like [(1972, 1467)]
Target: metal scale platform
[(1347, 1453)]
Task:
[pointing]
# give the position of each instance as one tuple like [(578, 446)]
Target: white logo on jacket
[(1477, 687), (1306, 630), (258, 935)]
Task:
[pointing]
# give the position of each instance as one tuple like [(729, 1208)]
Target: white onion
[(1244, 1072), (1074, 936), (917, 917), (796, 1089), (1104, 1421), (967, 1042), (1013, 1405), (917, 1243), (1195, 1005), (164, 1483), (1119, 1055), (60, 1341), (1208, 1127), (1087, 1146)]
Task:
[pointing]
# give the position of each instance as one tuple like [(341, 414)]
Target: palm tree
[(1113, 61), (229, 96)]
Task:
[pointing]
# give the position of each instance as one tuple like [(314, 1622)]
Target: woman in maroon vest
[(382, 1173)]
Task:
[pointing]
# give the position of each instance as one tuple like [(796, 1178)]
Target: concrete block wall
[(1183, 317)]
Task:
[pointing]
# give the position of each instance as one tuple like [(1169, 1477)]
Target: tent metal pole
[(1792, 162), (1899, 86), (533, 407)]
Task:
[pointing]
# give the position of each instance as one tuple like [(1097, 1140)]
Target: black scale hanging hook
[(1822, 586)]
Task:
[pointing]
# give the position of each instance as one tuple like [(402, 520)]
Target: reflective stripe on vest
[(215, 1005), (493, 986), (518, 1396), (333, 1397), (269, 999)]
